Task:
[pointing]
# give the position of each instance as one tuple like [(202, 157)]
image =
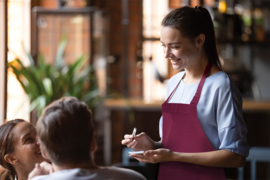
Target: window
[(153, 59), (3, 10), (18, 32)]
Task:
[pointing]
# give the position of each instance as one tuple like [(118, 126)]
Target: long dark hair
[(6, 147), (192, 22)]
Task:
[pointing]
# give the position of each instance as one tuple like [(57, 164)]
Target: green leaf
[(48, 86), (60, 53), (91, 95), (78, 64), (31, 60)]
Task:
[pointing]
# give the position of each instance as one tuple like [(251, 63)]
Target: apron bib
[(182, 132)]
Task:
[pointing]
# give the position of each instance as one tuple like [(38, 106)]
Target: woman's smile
[(174, 62), (38, 153)]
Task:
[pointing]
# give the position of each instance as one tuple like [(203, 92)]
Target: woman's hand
[(43, 168), (140, 142), (154, 156)]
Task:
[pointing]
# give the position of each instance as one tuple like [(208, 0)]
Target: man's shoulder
[(67, 174), (102, 173), (123, 172)]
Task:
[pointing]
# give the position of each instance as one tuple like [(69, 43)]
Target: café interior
[(124, 73)]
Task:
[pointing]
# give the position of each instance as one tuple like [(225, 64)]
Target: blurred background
[(125, 73)]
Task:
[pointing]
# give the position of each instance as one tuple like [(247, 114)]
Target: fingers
[(139, 157), (35, 172), (44, 163), (149, 156), (141, 134), (46, 167), (37, 166), (128, 136), (150, 153), (126, 141), (136, 155), (133, 144)]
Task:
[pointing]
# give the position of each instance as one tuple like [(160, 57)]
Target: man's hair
[(66, 130)]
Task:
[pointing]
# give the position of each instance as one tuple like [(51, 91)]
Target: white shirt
[(219, 110), (105, 173)]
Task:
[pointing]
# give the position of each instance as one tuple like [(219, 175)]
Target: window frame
[(3, 61)]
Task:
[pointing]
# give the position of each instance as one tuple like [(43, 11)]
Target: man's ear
[(10, 159), (200, 39), (93, 145), (44, 151)]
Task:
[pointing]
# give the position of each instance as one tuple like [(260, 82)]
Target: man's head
[(66, 131)]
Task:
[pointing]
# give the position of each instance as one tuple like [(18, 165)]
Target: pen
[(134, 132)]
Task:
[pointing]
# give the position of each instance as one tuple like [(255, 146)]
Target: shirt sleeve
[(160, 127), (231, 126)]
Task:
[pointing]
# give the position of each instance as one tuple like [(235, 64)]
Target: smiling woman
[(19, 149), (202, 129)]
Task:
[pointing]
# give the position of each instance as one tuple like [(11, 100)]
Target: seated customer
[(19, 149), (66, 135)]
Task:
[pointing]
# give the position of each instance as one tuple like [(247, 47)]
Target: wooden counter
[(248, 105)]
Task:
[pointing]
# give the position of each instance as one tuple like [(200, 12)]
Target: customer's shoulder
[(123, 172), (67, 174)]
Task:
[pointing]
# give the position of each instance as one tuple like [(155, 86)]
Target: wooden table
[(139, 104)]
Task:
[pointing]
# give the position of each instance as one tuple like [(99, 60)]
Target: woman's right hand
[(140, 142), (43, 168)]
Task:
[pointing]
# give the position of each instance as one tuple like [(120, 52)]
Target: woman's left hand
[(154, 156)]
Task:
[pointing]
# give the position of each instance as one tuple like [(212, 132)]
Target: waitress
[(202, 129)]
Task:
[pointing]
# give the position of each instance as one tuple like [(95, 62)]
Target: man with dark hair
[(66, 134)]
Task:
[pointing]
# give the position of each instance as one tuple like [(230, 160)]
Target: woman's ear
[(200, 39), (11, 159)]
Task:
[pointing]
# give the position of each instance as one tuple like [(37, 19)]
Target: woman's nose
[(37, 141), (166, 52)]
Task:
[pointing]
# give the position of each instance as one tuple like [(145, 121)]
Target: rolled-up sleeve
[(160, 127), (231, 126)]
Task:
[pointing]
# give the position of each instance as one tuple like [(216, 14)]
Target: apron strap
[(196, 98), (172, 93)]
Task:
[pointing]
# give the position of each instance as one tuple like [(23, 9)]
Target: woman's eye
[(28, 139)]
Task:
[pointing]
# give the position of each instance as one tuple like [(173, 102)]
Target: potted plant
[(43, 82)]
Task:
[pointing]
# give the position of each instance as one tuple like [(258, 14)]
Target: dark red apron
[(182, 132)]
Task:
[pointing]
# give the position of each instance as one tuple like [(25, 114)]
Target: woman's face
[(180, 50), (26, 147)]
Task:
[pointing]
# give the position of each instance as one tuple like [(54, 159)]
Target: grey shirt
[(106, 173)]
